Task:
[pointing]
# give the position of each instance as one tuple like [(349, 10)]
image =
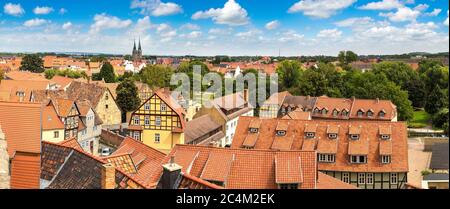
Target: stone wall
[(4, 162)]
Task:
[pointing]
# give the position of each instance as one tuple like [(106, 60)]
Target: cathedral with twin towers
[(137, 53)]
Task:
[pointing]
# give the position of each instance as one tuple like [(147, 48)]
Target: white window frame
[(385, 137), (281, 133), (253, 130), (394, 178), (163, 107), (358, 159), (158, 120), (346, 177), (361, 178), (136, 135), (146, 106), (136, 120), (385, 159), (157, 138), (327, 158), (354, 136), (332, 136), (369, 178), (310, 135), (147, 120)]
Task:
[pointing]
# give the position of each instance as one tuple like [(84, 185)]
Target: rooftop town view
[(148, 98)]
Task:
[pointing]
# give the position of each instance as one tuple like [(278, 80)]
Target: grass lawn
[(420, 120)]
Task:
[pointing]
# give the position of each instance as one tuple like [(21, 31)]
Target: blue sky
[(231, 27)]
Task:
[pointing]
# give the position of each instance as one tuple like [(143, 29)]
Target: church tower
[(137, 53)]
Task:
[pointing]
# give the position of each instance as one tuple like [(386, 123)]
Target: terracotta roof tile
[(217, 167), (50, 119), (73, 143), (124, 161), (385, 147), (328, 182), (288, 169), (358, 147)]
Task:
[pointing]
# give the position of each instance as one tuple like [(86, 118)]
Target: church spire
[(134, 46), (139, 44)]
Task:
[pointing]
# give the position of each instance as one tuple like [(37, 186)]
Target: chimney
[(378, 100), (4, 162), (171, 172), (108, 176)]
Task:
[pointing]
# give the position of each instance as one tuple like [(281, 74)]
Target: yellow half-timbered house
[(159, 122)]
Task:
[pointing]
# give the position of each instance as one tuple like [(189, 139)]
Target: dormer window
[(324, 111), (335, 113), (360, 113), (288, 186), (281, 133), (332, 136), (385, 159), (20, 94), (358, 159), (385, 137), (344, 112), (316, 110), (253, 130), (382, 114), (369, 113), (310, 135), (354, 136)]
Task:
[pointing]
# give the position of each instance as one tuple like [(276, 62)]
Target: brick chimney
[(171, 172), (108, 176), (246, 95), (4, 162)]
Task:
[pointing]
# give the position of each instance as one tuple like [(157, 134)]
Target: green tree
[(100, 58), (324, 80), (424, 65), (346, 57), (440, 118), (32, 63), (156, 76), (127, 96), (436, 100), (107, 73), (2, 74), (127, 57), (289, 73)]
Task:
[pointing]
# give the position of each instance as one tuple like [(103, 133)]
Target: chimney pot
[(171, 172)]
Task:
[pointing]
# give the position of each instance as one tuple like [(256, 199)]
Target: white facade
[(88, 138), (131, 67), (230, 129)]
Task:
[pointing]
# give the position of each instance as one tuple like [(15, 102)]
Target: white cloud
[(421, 7), (34, 22), (62, 11), (13, 9), (434, 13), (231, 14), (446, 20), (193, 34), (272, 25), (190, 26), (382, 5), (290, 36), (248, 34), (355, 22), (42, 10), (166, 31), (329, 33), (67, 26), (104, 21), (402, 14), (156, 7), (320, 8)]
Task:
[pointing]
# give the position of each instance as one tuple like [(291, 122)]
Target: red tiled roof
[(217, 167), (25, 76), (250, 169), (192, 182), (146, 159), (328, 182), (288, 169), (15, 86), (62, 81), (376, 106), (50, 119), (73, 143), (369, 142)]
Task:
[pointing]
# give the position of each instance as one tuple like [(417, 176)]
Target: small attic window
[(310, 134), (385, 136), (253, 130), (369, 113), (344, 112), (335, 113), (281, 133), (354, 136), (324, 111), (316, 110), (360, 113), (332, 136), (382, 114)]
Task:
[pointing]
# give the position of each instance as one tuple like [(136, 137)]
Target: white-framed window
[(332, 136), (335, 113), (358, 159), (360, 113), (385, 136), (136, 135), (147, 106), (385, 159), (136, 120), (327, 158), (56, 134), (344, 112), (288, 186), (346, 177), (369, 113), (354, 136), (310, 134), (157, 138), (281, 133), (381, 114), (163, 107), (158, 121), (361, 178), (394, 178), (253, 130), (147, 120), (369, 178)]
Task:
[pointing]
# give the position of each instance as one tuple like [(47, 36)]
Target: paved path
[(418, 161)]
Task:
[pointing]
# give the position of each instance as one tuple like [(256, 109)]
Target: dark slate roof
[(436, 176), (303, 101), (199, 127), (66, 167), (439, 156)]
